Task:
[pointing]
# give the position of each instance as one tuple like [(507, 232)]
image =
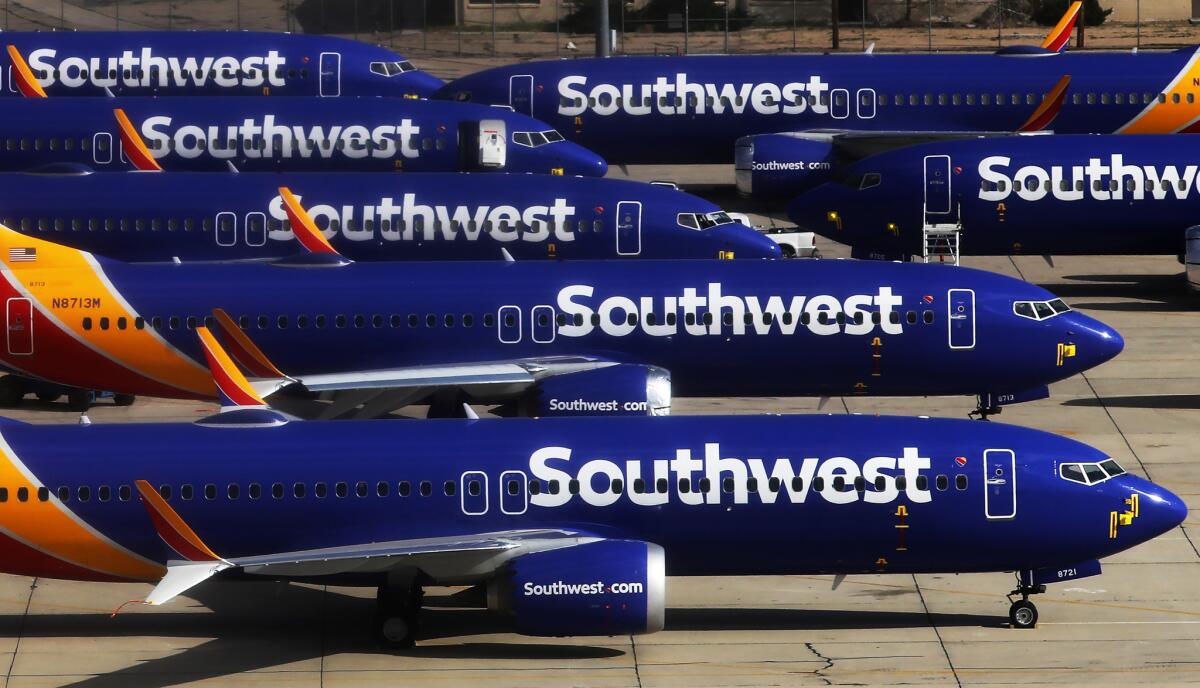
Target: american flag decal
[(22, 255)]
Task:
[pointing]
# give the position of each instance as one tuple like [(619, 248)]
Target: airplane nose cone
[(421, 84), (1094, 342), (1158, 510), (744, 242), (576, 160)]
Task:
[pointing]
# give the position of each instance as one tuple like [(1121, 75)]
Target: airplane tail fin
[(305, 228), (232, 387), (1048, 110), (22, 75), (1060, 36), (133, 145)]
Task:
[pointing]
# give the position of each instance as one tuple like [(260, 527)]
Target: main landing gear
[(1023, 613), (397, 612)]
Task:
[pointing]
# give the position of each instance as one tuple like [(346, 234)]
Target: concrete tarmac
[(1138, 622)]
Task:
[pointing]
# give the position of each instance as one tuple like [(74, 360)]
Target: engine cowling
[(1191, 257), (610, 587), (774, 165), (620, 390)]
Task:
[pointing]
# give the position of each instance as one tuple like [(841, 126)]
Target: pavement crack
[(937, 632), (20, 632), (637, 671), (828, 664)]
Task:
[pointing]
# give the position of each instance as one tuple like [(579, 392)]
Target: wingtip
[(303, 226), (134, 147), (233, 388), (23, 76)]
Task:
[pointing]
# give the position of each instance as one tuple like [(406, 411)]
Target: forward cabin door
[(331, 74), (961, 304), (629, 228), (520, 93), (937, 185), (492, 144), (1000, 483), (19, 316)]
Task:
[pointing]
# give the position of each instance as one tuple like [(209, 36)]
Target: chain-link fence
[(544, 28)]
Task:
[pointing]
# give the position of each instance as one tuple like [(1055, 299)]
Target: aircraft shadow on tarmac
[(1146, 401), (259, 626), (1156, 293)]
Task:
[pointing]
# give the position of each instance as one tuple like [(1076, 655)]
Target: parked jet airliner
[(571, 524), (1064, 195), (547, 337), (174, 63), (370, 216), (281, 134), (694, 108)]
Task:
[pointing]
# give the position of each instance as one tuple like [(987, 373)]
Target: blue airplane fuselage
[(694, 108)]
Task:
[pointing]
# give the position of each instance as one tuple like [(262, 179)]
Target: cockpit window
[(870, 179), (703, 220), (1090, 473), (392, 68), (534, 139), (1040, 310)]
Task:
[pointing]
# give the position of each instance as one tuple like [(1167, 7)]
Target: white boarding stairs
[(940, 240)]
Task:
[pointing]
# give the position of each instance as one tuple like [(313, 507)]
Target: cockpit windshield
[(1040, 310), (1090, 473), (533, 139), (862, 181), (703, 220), (392, 68)]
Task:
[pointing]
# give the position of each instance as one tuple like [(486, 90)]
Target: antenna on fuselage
[(507, 256)]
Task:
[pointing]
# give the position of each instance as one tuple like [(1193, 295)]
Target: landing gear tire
[(79, 399), (397, 616), (12, 391), (123, 399), (1023, 614)]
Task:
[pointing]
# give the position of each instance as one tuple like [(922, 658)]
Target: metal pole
[(793, 25), (999, 23), (287, 15), (493, 27), (602, 28), (834, 6), (686, 21), (1080, 24), (557, 36), (117, 15), (1138, 23), (930, 25), (621, 47), (727, 26), (170, 15), (62, 14), (864, 25), (237, 10), (424, 22)]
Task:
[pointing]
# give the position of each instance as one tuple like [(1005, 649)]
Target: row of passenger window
[(413, 320), (473, 487), (259, 143), (868, 98), (154, 73), (1031, 184), (258, 222)]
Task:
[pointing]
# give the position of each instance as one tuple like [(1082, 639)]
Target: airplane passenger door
[(19, 316), (331, 74), (839, 106), (514, 498), (474, 491), (961, 303), (1000, 483), (866, 103), (937, 184), (226, 229), (509, 324), (520, 93), (629, 228), (493, 143)]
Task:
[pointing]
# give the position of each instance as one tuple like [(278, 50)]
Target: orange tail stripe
[(23, 75), (1169, 115), (171, 527), (1060, 35), (303, 226), (135, 148), (1050, 107), (245, 350), (230, 381)]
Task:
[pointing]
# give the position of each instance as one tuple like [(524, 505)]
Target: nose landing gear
[(1023, 613), (984, 407)]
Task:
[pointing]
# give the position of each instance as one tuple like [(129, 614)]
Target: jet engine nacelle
[(1191, 257), (619, 390), (609, 587), (771, 165)]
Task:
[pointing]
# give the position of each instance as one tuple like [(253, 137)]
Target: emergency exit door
[(331, 74), (1000, 483), (19, 317), (520, 93), (629, 228), (937, 184)]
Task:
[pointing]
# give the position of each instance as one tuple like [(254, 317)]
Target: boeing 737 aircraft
[(176, 63), (372, 216), (1065, 195), (692, 109), (544, 337), (571, 525), (281, 134)]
